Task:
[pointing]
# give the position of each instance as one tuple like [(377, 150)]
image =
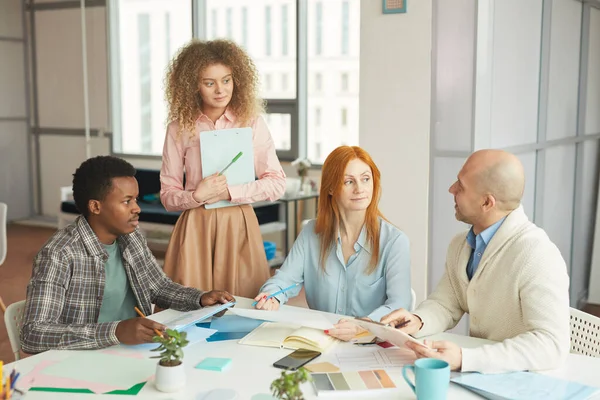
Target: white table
[(251, 372)]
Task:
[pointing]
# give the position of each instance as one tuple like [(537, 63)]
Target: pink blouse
[(183, 152)]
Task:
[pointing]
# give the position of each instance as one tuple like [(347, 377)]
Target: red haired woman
[(350, 260)]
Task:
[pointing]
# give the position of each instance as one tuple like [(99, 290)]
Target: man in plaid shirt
[(89, 276)]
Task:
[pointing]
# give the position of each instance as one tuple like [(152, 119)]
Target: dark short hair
[(93, 179)]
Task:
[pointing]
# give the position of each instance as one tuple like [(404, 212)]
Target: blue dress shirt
[(345, 288), (478, 244)]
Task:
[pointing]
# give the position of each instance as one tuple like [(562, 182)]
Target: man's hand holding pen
[(403, 320)]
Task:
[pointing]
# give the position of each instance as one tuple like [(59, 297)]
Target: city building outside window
[(145, 35)]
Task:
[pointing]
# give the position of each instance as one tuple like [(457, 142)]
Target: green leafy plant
[(171, 345), (287, 386)]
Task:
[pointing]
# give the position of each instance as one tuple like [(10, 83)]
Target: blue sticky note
[(214, 364)]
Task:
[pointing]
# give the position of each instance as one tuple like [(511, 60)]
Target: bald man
[(504, 272)]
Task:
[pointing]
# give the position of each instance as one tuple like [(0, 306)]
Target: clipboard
[(181, 320), (218, 148), (385, 332)]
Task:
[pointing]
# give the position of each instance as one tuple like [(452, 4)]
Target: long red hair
[(328, 215)]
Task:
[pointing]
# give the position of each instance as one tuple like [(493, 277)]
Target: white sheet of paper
[(370, 357), (180, 320), (300, 316), (387, 333)]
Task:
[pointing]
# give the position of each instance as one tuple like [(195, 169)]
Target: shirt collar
[(228, 114), (91, 241), (362, 239), (485, 235)]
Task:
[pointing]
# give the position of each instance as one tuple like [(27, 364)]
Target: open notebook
[(289, 336)]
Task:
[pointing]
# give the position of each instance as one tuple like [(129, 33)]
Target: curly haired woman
[(213, 85)]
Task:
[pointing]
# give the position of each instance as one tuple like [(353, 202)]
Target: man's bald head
[(498, 173)]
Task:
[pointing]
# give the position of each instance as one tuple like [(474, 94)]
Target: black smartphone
[(295, 360)]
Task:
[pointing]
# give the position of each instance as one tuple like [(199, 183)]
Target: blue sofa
[(152, 211)]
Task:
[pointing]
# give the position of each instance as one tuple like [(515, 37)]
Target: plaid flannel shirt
[(67, 287)]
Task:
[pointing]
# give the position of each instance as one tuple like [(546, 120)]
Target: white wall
[(395, 101)]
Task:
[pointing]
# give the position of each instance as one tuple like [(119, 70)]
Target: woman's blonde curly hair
[(183, 75)]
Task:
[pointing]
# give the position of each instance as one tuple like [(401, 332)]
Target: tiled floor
[(25, 241)]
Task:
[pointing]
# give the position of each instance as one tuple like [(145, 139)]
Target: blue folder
[(523, 386)]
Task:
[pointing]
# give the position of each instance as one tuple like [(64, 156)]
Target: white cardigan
[(519, 296)]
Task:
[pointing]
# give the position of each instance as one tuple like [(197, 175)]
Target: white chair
[(585, 333), (13, 318), (3, 246), (413, 300)]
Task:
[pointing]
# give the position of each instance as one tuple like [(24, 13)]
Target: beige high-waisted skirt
[(219, 248)]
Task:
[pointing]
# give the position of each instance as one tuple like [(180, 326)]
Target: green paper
[(132, 391), (107, 369)]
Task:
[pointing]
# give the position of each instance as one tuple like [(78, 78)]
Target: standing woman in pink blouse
[(213, 85)]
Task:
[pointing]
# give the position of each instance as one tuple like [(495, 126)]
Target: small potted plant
[(302, 166), (287, 386), (170, 373)]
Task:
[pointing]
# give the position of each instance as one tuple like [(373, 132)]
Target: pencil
[(7, 395), (276, 293), (141, 314)]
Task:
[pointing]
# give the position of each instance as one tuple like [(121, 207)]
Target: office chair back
[(13, 318), (585, 333)]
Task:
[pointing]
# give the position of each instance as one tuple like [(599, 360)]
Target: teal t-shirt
[(119, 301)]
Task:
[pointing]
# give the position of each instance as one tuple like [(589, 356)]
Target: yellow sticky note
[(322, 367)]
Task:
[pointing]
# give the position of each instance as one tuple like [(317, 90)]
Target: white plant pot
[(169, 379)]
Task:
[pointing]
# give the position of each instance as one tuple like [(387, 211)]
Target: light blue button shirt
[(345, 288), (478, 244)]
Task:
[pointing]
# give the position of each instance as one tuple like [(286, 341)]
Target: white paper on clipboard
[(218, 148), (387, 333)]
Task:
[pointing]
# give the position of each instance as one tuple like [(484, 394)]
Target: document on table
[(360, 358), (524, 386), (304, 317), (180, 320)]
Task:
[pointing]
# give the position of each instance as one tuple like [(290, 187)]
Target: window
[(319, 28), (284, 82), (245, 27), (345, 26), (302, 67), (284, 30), (268, 30), (215, 23), (145, 80), (229, 23), (344, 82), (330, 68), (144, 36), (167, 37), (267, 83), (318, 82)]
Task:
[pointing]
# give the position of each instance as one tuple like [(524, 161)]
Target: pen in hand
[(141, 314), (401, 324)]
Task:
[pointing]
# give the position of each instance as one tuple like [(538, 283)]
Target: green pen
[(232, 161)]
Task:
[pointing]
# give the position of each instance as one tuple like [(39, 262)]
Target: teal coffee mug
[(432, 378)]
